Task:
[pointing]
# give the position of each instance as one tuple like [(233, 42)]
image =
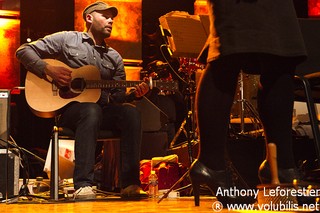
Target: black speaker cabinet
[(4, 117), (9, 173)]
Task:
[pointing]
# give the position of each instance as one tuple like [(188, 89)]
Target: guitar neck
[(107, 84)]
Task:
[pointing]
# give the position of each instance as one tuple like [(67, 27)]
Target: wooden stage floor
[(181, 205)]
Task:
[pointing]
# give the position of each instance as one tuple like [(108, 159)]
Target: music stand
[(188, 33)]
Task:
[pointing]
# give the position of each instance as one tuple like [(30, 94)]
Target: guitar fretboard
[(94, 84)]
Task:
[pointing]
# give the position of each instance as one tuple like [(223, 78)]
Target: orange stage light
[(9, 42), (200, 7)]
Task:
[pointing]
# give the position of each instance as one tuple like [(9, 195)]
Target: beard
[(106, 32)]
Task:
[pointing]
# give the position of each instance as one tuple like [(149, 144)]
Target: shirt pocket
[(76, 53), (108, 70)]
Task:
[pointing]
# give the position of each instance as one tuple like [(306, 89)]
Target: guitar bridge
[(54, 89)]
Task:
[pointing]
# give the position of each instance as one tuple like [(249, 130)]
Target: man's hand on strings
[(60, 75), (142, 88)]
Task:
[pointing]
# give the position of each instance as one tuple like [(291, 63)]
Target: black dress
[(256, 26)]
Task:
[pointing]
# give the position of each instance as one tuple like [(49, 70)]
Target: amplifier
[(4, 116), (9, 170), (152, 118)]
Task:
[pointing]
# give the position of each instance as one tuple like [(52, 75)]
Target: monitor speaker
[(4, 117), (9, 170)]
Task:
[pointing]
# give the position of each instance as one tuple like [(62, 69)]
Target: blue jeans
[(86, 119)]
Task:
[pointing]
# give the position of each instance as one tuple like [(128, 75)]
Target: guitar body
[(45, 99)]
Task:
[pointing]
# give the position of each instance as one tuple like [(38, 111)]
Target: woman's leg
[(275, 105), (215, 97)]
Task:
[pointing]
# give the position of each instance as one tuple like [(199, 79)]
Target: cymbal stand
[(245, 104), (176, 136), (190, 120), (242, 102)]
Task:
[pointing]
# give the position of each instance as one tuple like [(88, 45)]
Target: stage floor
[(181, 204)]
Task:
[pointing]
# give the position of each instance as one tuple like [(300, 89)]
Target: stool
[(308, 90), (307, 79), (111, 157)]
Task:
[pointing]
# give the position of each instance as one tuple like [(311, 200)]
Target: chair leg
[(54, 179), (312, 115)]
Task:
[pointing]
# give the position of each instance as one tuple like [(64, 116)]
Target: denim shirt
[(76, 49)]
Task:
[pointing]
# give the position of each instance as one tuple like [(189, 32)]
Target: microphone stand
[(189, 127)]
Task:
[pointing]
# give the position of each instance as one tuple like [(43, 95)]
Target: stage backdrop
[(9, 42)]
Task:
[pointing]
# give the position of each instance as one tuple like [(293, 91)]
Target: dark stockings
[(215, 97)]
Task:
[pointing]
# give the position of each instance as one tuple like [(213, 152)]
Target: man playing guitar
[(112, 109)]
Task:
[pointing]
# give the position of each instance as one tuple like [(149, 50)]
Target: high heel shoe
[(200, 174), (285, 175)]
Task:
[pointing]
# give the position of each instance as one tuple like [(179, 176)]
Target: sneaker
[(133, 192), (84, 193)]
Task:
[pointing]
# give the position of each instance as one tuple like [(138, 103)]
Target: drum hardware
[(188, 69), (188, 126), (246, 108), (180, 130)]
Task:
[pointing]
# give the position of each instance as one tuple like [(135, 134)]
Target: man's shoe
[(84, 193), (133, 192)]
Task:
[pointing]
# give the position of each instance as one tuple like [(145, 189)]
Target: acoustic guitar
[(45, 98)]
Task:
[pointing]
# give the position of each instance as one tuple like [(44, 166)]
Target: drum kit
[(244, 118), (243, 112)]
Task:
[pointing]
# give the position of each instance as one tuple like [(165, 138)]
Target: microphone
[(165, 34)]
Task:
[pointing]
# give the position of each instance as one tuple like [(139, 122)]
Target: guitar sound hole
[(78, 84), (66, 93), (76, 87)]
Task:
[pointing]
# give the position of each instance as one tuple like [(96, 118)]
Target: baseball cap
[(99, 5)]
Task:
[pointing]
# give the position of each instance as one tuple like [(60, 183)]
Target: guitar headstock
[(168, 85)]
